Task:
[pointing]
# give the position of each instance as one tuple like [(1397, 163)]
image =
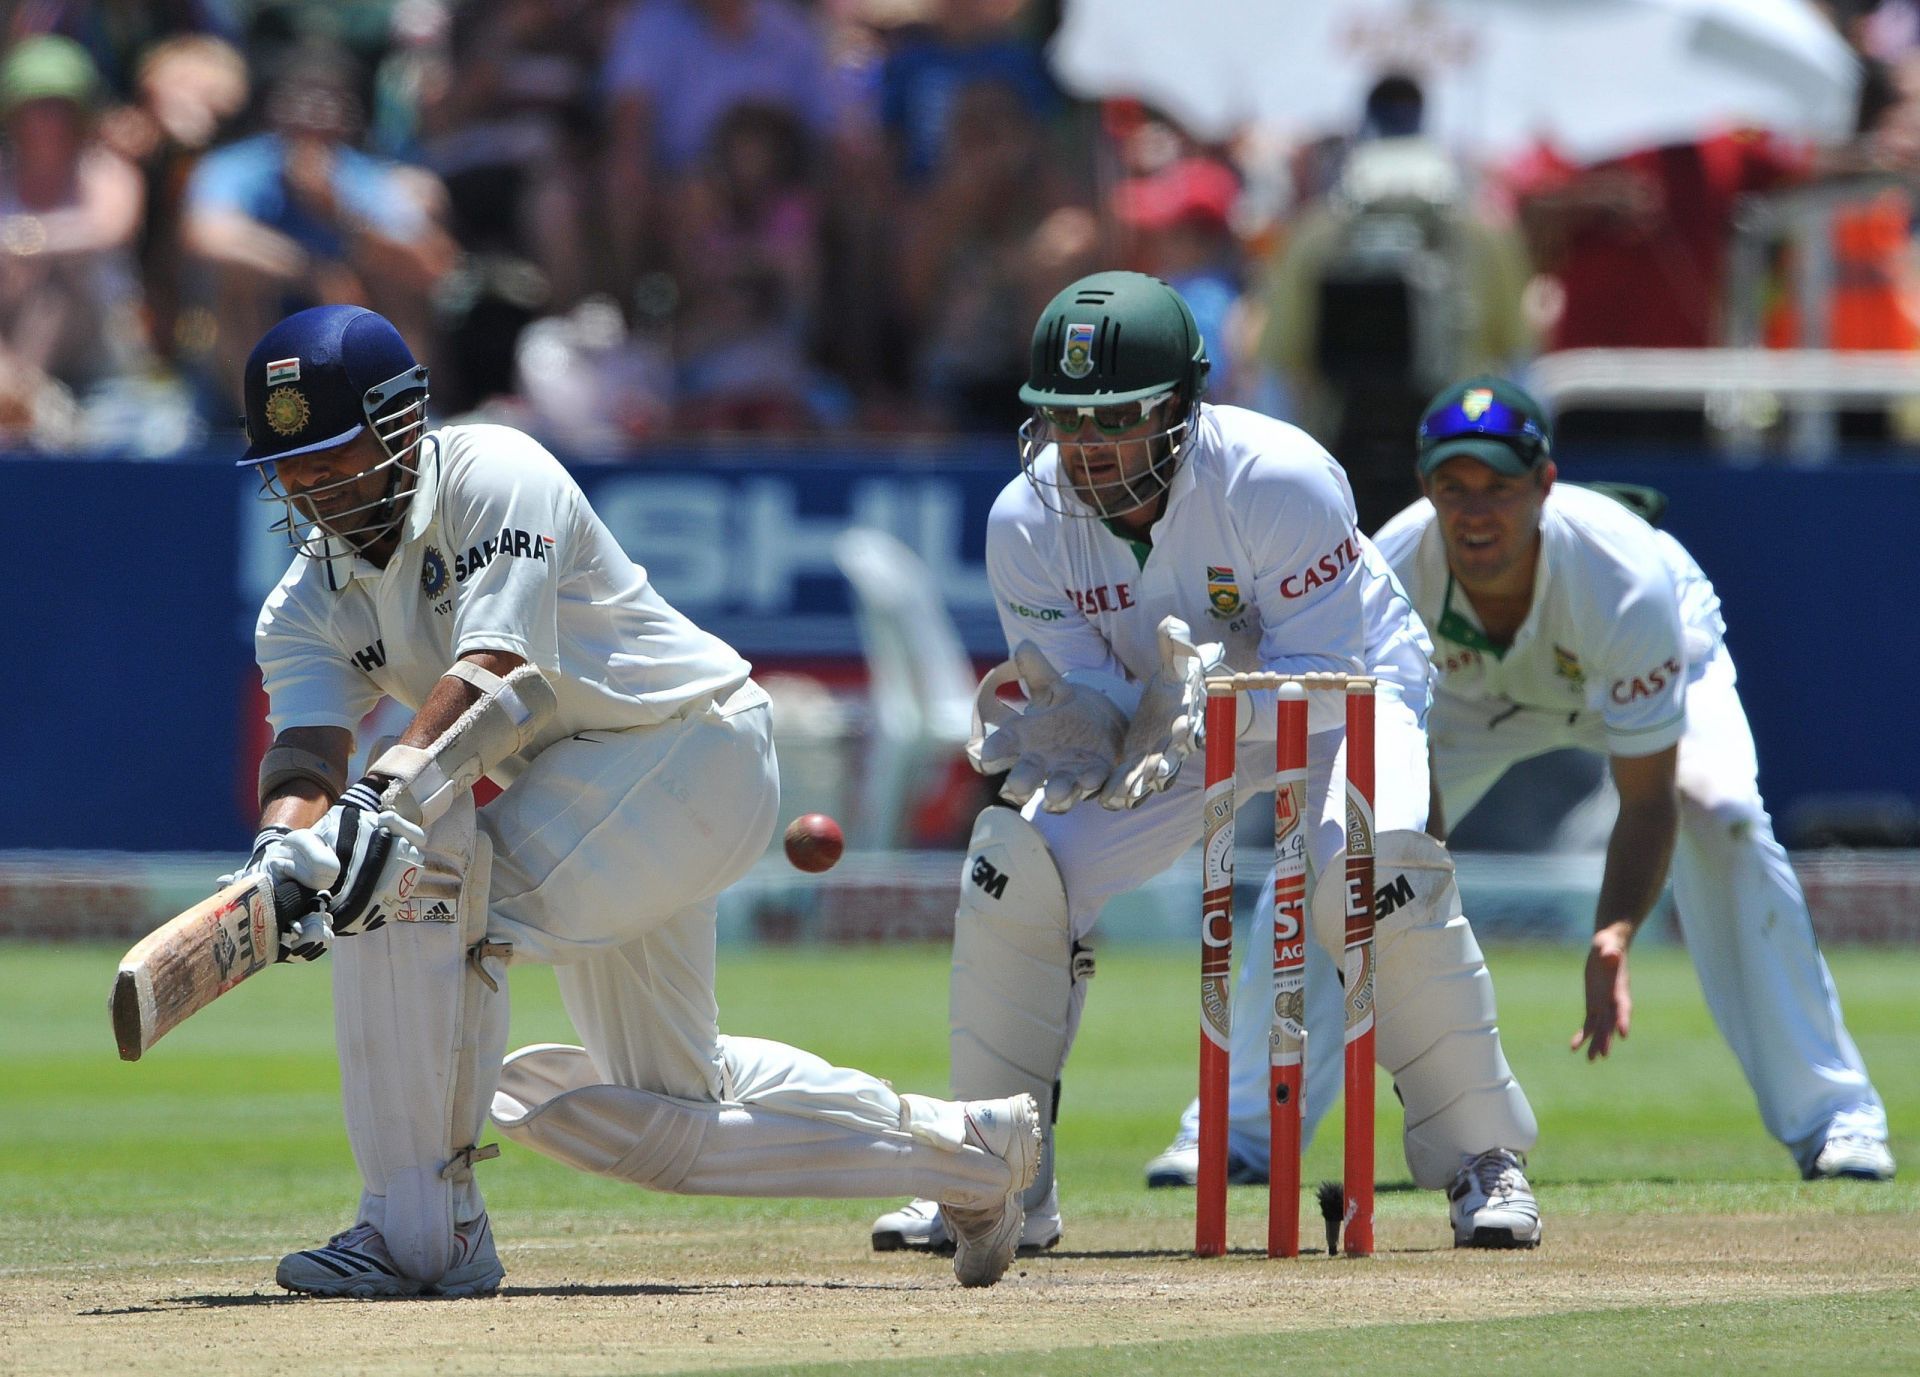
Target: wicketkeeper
[(461, 572), (1151, 538)]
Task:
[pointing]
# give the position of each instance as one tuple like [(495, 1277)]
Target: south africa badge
[(1076, 355), (1222, 591)]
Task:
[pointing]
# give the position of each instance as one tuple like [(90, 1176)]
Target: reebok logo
[(986, 877)]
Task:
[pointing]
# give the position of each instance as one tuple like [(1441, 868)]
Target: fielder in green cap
[(1153, 536), (1560, 618)]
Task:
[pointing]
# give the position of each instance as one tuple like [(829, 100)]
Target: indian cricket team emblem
[(1476, 401), (433, 573), (287, 411), (1076, 357), (1567, 665), (1222, 591)]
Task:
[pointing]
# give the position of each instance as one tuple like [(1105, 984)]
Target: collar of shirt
[(342, 568)]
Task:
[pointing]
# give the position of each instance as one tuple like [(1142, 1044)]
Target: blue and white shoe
[(356, 1263)]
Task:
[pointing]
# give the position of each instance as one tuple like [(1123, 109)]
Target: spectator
[(1181, 219), (186, 90), (746, 257), (1638, 244), (673, 70), (1383, 291), (70, 209), (298, 216), (506, 124), (968, 41), (994, 236)]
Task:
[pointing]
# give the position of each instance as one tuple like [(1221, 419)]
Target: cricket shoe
[(1179, 1165), (1491, 1204), (1852, 1156), (985, 1240), (917, 1227), (356, 1263)]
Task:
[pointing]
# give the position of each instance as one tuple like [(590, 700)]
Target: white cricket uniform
[(653, 787), (1623, 653), (1257, 549)]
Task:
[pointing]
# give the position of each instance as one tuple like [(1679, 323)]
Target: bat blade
[(189, 961)]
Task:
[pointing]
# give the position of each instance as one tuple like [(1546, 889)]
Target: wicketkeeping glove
[(1063, 746), (1170, 722)]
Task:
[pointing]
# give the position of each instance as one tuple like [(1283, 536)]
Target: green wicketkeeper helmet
[(1113, 347), (1115, 337)]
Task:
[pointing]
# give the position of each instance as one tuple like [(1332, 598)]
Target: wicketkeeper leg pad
[(1016, 987), (1436, 1030), (551, 1100), (420, 1015)]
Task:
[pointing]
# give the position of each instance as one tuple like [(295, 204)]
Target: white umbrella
[(1595, 78)]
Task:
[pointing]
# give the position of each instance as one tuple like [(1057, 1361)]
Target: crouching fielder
[(461, 572), (1152, 538)]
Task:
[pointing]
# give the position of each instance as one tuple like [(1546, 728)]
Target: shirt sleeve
[(1031, 597), (310, 682), (365, 186), (1643, 703), (1298, 525), (505, 507), (227, 179)]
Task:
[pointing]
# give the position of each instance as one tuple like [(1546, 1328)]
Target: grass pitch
[(145, 1204)]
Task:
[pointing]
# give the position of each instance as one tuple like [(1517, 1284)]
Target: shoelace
[(1493, 1173)]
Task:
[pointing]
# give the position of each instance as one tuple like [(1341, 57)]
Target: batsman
[(1152, 538), (461, 572)]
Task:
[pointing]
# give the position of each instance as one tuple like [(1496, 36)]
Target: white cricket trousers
[(1741, 910), (610, 855)]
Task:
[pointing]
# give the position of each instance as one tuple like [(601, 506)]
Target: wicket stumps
[(1287, 1039)]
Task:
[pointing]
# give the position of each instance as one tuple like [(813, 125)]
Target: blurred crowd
[(611, 221)]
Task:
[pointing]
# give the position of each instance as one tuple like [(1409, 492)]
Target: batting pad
[(421, 1031), (1437, 1032), (550, 1100), (1013, 999)]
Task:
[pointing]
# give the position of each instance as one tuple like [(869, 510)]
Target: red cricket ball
[(814, 842)]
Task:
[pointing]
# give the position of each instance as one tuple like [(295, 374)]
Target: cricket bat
[(188, 962)]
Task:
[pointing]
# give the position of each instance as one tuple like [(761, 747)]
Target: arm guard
[(282, 764), (509, 713)]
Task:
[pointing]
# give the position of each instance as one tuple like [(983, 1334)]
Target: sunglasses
[(1494, 420), (1108, 420)]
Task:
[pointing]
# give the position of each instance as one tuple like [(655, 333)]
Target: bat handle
[(292, 900)]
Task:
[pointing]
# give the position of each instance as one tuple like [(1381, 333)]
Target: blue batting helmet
[(319, 377)]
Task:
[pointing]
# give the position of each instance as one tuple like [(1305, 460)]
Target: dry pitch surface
[(735, 1298)]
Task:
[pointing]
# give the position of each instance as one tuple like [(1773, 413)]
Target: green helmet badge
[(1076, 359)]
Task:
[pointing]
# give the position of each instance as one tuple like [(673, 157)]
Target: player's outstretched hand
[(1609, 1000), (1170, 722), (1062, 747)]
